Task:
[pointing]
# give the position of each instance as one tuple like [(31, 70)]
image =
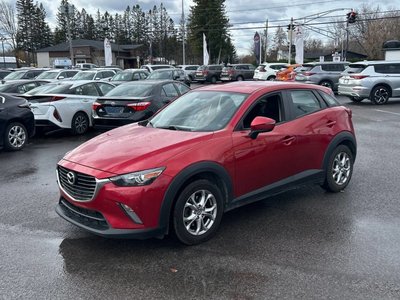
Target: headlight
[(137, 178)]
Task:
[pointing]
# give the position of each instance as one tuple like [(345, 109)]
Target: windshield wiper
[(175, 127)]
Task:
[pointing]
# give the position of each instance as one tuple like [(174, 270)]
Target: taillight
[(57, 115), (231, 72), (139, 106), (56, 98), (308, 73), (358, 76), (205, 72), (96, 105)]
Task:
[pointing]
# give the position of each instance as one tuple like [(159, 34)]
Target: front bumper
[(95, 223), (106, 213)]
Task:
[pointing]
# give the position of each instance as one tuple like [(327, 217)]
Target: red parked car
[(211, 150)]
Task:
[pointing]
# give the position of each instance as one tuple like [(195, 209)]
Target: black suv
[(237, 72), (210, 73)]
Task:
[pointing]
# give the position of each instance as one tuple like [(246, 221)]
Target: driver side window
[(267, 106)]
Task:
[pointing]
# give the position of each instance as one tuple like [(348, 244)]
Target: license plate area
[(114, 109)]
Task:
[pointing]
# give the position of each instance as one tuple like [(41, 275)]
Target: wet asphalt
[(303, 244)]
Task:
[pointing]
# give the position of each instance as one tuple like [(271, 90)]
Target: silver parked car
[(375, 80), (322, 73)]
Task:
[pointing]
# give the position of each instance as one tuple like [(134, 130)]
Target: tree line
[(26, 30)]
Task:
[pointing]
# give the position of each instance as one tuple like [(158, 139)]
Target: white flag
[(299, 43), (206, 57), (107, 52)]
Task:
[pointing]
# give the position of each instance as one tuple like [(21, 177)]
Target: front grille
[(89, 218), (79, 186)]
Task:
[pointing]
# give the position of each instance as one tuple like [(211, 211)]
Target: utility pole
[(266, 41), (68, 10), (290, 40), (183, 35)]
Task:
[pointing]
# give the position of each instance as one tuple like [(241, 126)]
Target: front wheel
[(198, 212), (380, 95), (15, 137), (339, 169)]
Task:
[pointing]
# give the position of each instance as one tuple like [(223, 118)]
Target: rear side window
[(304, 102), (331, 101), (333, 67), (388, 68), (104, 88)]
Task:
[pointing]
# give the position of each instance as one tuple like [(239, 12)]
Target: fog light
[(130, 213)]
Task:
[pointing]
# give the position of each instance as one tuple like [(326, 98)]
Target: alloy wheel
[(81, 124), (17, 136), (200, 212), (341, 168), (381, 95)]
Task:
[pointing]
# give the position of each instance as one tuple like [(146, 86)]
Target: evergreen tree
[(209, 17)]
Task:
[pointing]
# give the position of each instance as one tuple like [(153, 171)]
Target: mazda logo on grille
[(71, 177)]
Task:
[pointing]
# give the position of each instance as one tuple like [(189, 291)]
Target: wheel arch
[(203, 170), (381, 84), (343, 138), (86, 114)]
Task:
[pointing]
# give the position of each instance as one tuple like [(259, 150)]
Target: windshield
[(84, 76), (160, 75), (122, 76), (47, 75), (15, 75), (199, 111), (135, 90), (50, 88)]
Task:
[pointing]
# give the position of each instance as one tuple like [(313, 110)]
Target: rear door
[(313, 124)]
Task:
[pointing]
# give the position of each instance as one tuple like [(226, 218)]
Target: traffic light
[(351, 17), (290, 27)]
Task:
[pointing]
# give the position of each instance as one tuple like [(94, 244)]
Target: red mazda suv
[(209, 151)]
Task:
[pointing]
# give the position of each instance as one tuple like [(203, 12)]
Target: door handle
[(288, 140), (330, 123)]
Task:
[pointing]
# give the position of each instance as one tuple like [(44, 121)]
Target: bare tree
[(8, 26)]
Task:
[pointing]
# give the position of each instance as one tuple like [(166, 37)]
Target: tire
[(326, 83), (339, 169), (239, 78), (356, 99), (194, 222), (80, 123), (271, 78), (380, 95), (15, 136), (213, 80)]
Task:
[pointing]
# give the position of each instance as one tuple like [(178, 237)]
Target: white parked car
[(151, 68), (267, 71), (94, 74), (59, 74), (66, 104)]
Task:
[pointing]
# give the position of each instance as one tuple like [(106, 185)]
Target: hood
[(133, 148)]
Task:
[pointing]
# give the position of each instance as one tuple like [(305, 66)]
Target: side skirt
[(290, 183)]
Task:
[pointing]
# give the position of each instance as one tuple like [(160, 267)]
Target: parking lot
[(305, 243)]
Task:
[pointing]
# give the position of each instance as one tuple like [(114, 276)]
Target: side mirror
[(261, 124), (176, 77)]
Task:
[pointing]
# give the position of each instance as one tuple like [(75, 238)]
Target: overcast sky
[(241, 13)]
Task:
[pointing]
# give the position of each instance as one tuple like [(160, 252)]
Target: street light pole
[(68, 10), (183, 35)]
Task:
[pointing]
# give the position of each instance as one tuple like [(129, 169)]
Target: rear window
[(333, 67), (277, 67), (355, 68), (262, 67), (51, 89), (225, 69), (135, 90), (160, 67)]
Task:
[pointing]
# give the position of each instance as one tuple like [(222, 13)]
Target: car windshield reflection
[(199, 111)]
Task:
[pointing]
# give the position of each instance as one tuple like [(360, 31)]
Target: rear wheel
[(271, 78), (15, 137), (80, 123), (339, 169), (239, 78), (213, 79), (326, 83), (380, 95), (198, 212)]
